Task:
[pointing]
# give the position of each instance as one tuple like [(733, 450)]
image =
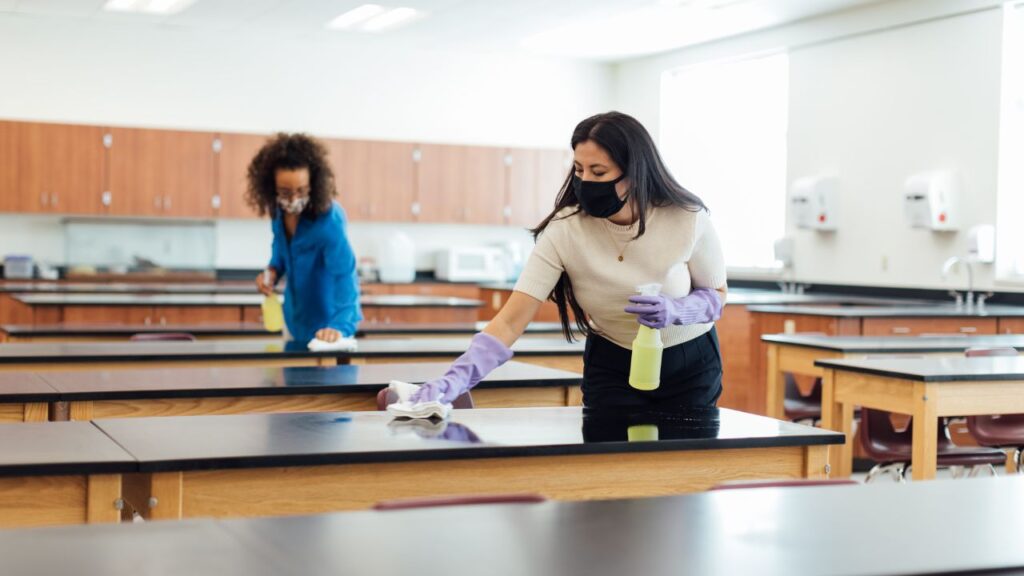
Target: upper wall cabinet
[(461, 184), (234, 153), (9, 194), (161, 173), (553, 167), (60, 168)]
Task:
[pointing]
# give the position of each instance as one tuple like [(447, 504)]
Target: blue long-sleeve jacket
[(322, 287)]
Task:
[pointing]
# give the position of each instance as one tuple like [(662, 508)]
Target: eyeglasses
[(289, 194)]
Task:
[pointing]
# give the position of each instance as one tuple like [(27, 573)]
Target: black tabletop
[(203, 442), (935, 369), (916, 311), (44, 448), (206, 382), (445, 347), (764, 531), (897, 344), (25, 387), (253, 299), (100, 352), (127, 330), (253, 329)]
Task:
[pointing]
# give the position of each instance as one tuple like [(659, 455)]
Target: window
[(723, 136), (1010, 199)]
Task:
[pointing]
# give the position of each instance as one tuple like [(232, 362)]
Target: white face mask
[(293, 206)]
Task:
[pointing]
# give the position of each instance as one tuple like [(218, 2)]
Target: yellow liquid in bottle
[(645, 364), (642, 432), (273, 315)]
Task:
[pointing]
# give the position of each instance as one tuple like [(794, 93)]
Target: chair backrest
[(438, 501), (163, 337), (996, 351), (784, 484), (386, 396)]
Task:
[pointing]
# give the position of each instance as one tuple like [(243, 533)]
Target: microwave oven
[(467, 264)]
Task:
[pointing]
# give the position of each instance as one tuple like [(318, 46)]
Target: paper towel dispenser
[(815, 202), (930, 200)]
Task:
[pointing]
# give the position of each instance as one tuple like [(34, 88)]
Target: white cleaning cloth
[(339, 345), (406, 409)]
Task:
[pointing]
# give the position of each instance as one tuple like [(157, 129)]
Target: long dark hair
[(631, 147), (290, 152)]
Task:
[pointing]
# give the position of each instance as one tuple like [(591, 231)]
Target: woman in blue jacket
[(290, 180)]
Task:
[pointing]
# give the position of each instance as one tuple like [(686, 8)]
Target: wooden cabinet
[(150, 315), (60, 168), (376, 180), (9, 194), (161, 173), (494, 300), (234, 153), (469, 291), (553, 167), (522, 188), (461, 184), (919, 326), (1011, 326)]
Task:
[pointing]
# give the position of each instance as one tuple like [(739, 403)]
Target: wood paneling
[(232, 164), (42, 501), (918, 326), (440, 182), (392, 192), (484, 184), (9, 160), (734, 330), (126, 315), (197, 314), (350, 161)]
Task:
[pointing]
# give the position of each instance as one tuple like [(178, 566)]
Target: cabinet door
[(10, 194), (187, 174), (135, 181), (440, 184), (553, 168), (121, 315), (1011, 325), (522, 193), (350, 161), (919, 326), (165, 315), (484, 184), (232, 165), (61, 168), (391, 194)]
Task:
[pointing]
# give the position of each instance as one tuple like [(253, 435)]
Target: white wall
[(115, 74), (876, 94)]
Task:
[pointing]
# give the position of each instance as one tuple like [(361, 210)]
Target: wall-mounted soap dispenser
[(930, 200), (815, 202)]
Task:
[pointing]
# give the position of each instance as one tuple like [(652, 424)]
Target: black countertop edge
[(475, 305), (20, 330), (485, 451), (471, 305), (344, 356), (30, 397), (69, 469), (142, 359), (923, 377), (283, 391)]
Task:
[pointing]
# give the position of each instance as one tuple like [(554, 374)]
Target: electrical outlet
[(885, 263)]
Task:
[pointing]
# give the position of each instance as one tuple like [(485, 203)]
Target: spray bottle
[(273, 315), (645, 365)]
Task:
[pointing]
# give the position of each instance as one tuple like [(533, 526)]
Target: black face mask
[(598, 199)]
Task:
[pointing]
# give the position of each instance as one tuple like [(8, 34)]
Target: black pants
[(691, 375)]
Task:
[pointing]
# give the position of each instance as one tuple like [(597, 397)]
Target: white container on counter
[(18, 267), (396, 259)]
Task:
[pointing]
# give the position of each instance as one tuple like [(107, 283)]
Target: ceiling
[(605, 30)]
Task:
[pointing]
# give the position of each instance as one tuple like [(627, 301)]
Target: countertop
[(768, 531), (934, 310), (44, 448), (251, 299), (224, 382), (254, 349), (897, 344), (25, 387), (943, 369), (269, 440)]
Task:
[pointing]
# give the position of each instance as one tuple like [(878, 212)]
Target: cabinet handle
[(147, 321), (900, 330), (163, 321), (507, 212), (416, 208), (215, 201), (108, 140), (968, 329), (106, 198), (54, 199)]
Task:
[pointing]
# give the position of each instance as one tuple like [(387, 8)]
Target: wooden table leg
[(574, 396), (834, 417), (104, 492), (925, 433), (774, 387), (816, 462), (165, 492)]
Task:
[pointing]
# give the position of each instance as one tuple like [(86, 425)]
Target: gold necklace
[(614, 242)]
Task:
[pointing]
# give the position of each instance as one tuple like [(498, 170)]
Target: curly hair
[(290, 152)]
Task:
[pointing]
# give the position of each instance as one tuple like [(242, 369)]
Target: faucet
[(948, 266)]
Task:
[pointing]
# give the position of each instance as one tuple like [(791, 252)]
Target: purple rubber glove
[(698, 307), (485, 354)]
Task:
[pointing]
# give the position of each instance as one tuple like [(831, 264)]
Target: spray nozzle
[(652, 289)]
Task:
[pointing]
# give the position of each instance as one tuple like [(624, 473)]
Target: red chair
[(438, 501), (163, 337), (1005, 431), (892, 449), (798, 407), (783, 484), (385, 397)]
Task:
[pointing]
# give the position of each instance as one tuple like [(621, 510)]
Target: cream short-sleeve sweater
[(679, 250)]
